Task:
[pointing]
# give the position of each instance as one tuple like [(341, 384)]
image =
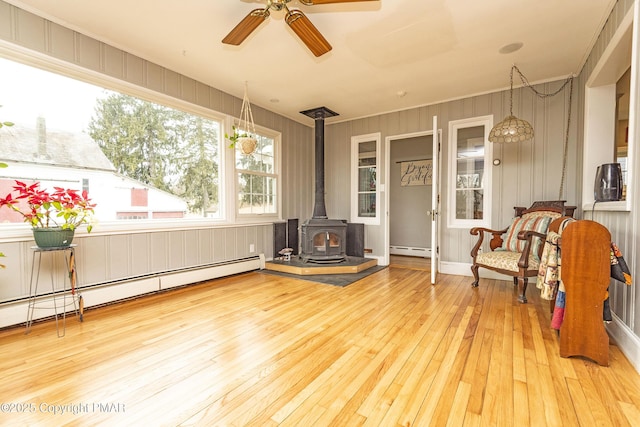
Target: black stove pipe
[(319, 114)]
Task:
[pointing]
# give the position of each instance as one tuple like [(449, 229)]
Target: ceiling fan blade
[(246, 26), (312, 2), (308, 33)]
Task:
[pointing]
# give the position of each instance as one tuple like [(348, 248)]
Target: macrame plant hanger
[(247, 141)]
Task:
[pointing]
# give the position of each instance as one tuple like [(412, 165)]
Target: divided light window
[(256, 179), (470, 173), (365, 191), (139, 160)]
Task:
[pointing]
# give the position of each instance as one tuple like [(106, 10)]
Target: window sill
[(621, 206), (22, 232)]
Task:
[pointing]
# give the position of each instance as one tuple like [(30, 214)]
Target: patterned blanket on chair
[(549, 269)]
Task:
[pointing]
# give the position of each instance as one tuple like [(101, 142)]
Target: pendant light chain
[(526, 83), (569, 82), (511, 90)]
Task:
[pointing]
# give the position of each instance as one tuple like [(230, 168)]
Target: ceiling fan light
[(308, 33), (246, 27), (511, 129)]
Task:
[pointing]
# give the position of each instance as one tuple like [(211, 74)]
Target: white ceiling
[(432, 50)]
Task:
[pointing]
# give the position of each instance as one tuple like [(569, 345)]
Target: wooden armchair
[(515, 251)]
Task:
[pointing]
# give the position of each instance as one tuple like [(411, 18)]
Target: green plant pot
[(54, 237)]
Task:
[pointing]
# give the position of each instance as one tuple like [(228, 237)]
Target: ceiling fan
[(298, 21)]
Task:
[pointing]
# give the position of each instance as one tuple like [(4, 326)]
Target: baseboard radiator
[(410, 251), (15, 312)]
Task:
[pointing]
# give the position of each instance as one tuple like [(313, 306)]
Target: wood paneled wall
[(529, 171), (109, 258)]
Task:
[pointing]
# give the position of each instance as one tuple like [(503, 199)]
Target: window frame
[(600, 111), (227, 163), (355, 168), (234, 175), (487, 180)]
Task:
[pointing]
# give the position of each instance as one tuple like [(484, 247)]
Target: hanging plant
[(244, 136), (243, 140)]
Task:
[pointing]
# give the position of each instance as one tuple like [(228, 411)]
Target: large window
[(470, 172), (137, 159)]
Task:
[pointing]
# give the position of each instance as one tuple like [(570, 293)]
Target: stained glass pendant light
[(511, 129)]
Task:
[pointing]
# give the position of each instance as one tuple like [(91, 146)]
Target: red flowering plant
[(63, 208)]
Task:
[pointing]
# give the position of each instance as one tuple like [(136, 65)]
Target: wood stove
[(323, 240)]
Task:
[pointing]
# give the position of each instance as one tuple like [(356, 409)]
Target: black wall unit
[(279, 237), (285, 235), (355, 240), (292, 235)]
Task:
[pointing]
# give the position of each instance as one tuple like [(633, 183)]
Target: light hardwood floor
[(416, 263), (262, 350)]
